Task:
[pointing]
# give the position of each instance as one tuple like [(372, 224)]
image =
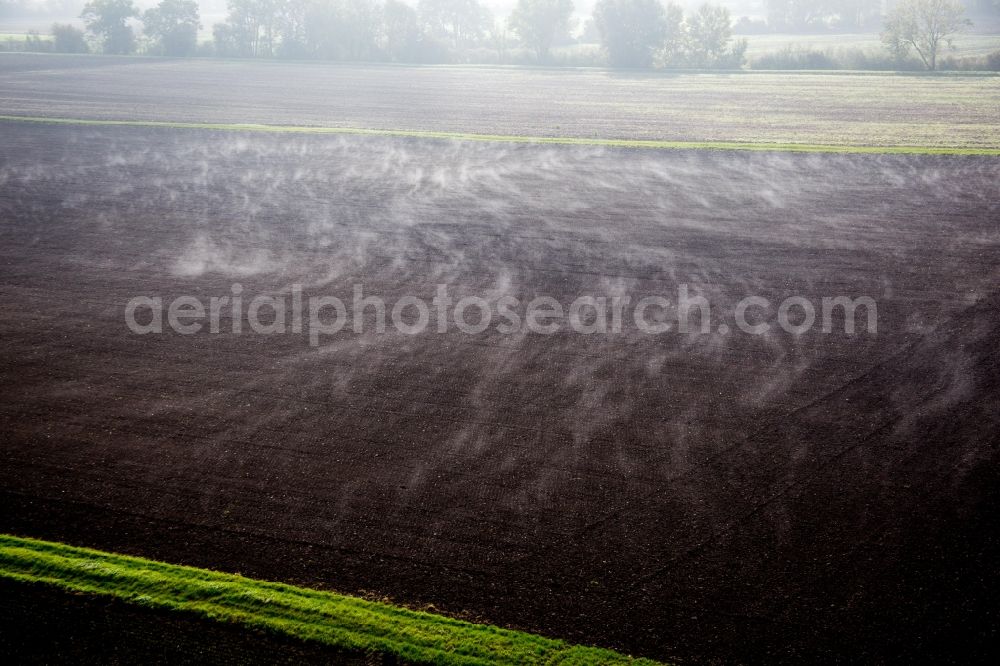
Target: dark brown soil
[(727, 498)]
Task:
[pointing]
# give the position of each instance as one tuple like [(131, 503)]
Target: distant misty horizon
[(21, 16), (213, 11)]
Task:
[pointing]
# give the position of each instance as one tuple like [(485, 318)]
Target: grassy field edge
[(503, 138), (344, 622)]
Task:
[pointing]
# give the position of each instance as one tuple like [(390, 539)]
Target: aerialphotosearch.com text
[(323, 316)]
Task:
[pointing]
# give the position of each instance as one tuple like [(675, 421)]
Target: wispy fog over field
[(671, 336)]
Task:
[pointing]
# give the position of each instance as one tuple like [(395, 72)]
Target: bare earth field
[(856, 109), (716, 497)]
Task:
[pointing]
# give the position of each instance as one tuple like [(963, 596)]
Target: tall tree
[(632, 31), (108, 20), (343, 29), (673, 50), (460, 22), (400, 34), (709, 32), (68, 39), (539, 22), (173, 24), (251, 29), (924, 26)]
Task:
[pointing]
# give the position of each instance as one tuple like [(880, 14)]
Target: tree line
[(806, 15), (632, 33)]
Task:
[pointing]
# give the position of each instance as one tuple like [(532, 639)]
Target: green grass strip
[(344, 622), (503, 138)]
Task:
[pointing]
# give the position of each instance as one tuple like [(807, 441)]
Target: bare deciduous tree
[(923, 26)]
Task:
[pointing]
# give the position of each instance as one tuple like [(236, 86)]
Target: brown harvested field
[(718, 497), (767, 107)]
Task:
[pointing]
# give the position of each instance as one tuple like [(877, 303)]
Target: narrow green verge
[(503, 138), (337, 620)]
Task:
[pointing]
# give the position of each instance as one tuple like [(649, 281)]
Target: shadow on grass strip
[(337, 620), (503, 138)]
